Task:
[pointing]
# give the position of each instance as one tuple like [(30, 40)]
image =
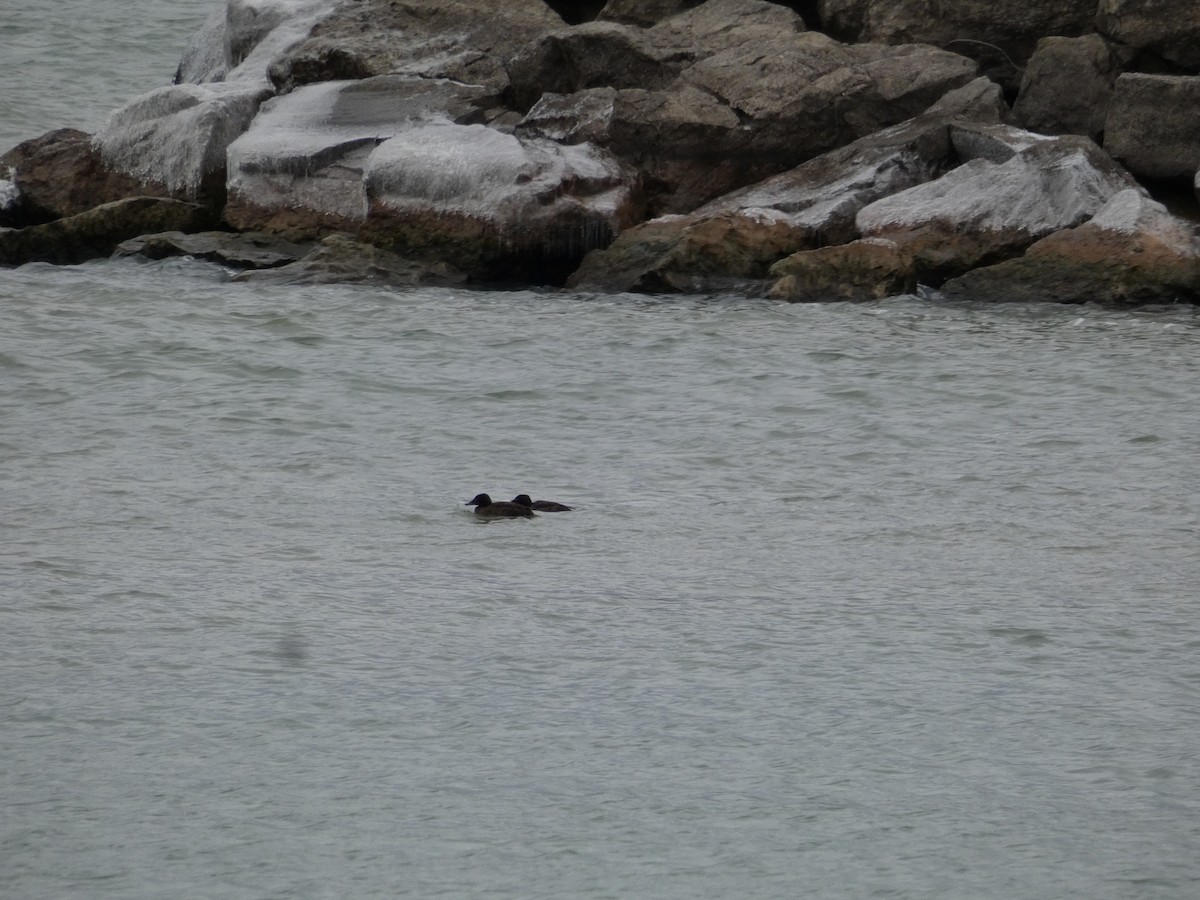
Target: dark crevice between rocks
[(808, 10), (576, 12), (1176, 194)]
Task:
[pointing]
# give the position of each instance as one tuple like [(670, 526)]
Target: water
[(892, 600)]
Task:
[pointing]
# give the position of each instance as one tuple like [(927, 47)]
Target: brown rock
[(868, 269), (61, 174)]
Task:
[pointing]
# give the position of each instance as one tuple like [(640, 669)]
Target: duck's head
[(479, 500), (523, 500)]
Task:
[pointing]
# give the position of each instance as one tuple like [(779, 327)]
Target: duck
[(501, 509), (540, 505)]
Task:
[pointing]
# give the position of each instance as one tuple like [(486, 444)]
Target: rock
[(685, 143), (689, 254), (177, 136), (61, 174), (249, 250), (10, 198), (1068, 84), (496, 205), (98, 231), (868, 269), (594, 55), (399, 161), (643, 12), (1013, 188), (298, 170), (1168, 28), (1000, 34), (738, 236), (341, 259), (1132, 251), (1154, 125), (701, 107), (470, 41)]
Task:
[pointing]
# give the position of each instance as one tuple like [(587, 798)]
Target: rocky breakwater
[(846, 149)]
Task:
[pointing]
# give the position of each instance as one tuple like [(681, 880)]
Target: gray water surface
[(892, 600)]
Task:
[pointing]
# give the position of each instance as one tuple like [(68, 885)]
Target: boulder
[(1068, 84), (248, 250), (1154, 125), (177, 136), (495, 205), (340, 259), (1170, 29), (298, 170), (700, 106), (242, 37), (867, 269), (1012, 188), (685, 143), (1000, 34), (690, 254), (739, 236), (470, 41), (1132, 251), (62, 174), (403, 162), (643, 12), (97, 232)]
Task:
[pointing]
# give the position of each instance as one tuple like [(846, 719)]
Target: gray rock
[(97, 232), (1013, 188), (736, 238), (1168, 28), (701, 107), (643, 12), (1068, 85), (1154, 125), (247, 250), (471, 41), (1132, 251), (177, 135), (299, 168), (340, 259), (1000, 34)]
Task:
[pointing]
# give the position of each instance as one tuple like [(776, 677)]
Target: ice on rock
[(1029, 193), (531, 191), (177, 135), (308, 148), (10, 194), (240, 40)]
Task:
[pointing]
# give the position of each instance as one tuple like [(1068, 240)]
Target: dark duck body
[(540, 505), (501, 509)]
